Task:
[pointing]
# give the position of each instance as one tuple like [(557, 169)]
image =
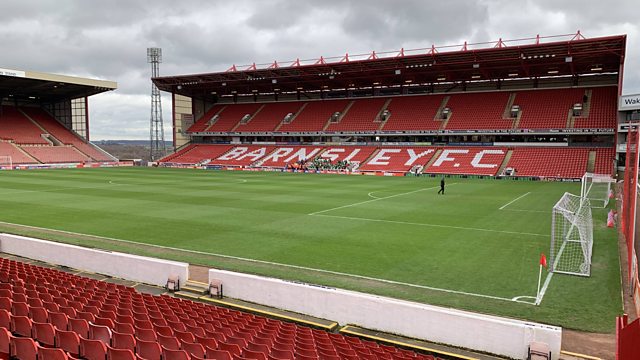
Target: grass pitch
[(475, 248)]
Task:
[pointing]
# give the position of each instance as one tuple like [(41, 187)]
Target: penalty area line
[(514, 200), (362, 277), (376, 199), (430, 225)]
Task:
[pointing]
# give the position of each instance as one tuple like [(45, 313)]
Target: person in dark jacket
[(441, 191)]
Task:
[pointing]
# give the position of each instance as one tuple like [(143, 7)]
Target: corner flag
[(543, 260)]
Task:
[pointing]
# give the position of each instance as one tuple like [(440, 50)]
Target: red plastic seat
[(5, 343), (257, 355), (184, 336), (234, 349), (149, 350), (44, 333), (219, 354), (59, 320), (168, 354), (51, 354), (68, 341), (164, 330), (119, 354), (168, 342), (79, 326), (207, 342), (24, 348), (99, 332), (5, 319), (123, 341), (21, 325), (92, 349), (193, 349), (281, 354), (124, 328), (146, 334), (6, 303), (20, 309), (38, 314)]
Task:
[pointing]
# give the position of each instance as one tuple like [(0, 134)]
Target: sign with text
[(9, 72), (629, 102)]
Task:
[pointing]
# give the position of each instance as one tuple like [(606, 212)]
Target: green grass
[(460, 241)]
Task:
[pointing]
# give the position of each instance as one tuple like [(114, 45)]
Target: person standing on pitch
[(441, 186)]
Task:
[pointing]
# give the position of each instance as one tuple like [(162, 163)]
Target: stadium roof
[(562, 55), (45, 87)]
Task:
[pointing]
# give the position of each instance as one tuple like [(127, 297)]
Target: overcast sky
[(108, 39)]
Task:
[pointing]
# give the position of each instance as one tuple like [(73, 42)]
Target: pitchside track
[(476, 247)]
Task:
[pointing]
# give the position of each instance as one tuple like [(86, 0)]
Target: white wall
[(485, 333), (131, 267)]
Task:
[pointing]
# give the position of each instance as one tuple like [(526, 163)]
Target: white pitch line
[(371, 196), (279, 264), (375, 199), (522, 210), (514, 200), (430, 225), (544, 288)]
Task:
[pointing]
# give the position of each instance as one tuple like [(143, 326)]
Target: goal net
[(596, 188), (5, 162), (571, 236)]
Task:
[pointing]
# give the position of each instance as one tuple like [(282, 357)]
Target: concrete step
[(195, 287)]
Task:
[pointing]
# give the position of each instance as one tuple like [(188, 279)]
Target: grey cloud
[(108, 39)]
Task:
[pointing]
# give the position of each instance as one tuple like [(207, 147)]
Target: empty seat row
[(84, 319), (540, 109)]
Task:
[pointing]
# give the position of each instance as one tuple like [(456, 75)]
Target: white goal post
[(571, 236), (5, 162), (596, 188)]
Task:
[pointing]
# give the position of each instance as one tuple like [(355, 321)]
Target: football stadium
[(473, 201)]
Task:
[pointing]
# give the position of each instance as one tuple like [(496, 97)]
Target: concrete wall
[(491, 334), (131, 267)]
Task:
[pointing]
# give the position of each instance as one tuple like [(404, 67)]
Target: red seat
[(21, 325), (79, 326), (99, 332), (59, 320), (92, 349), (218, 354), (20, 309), (124, 328), (51, 354), (119, 354), (257, 355), (149, 350), (281, 354), (168, 342), (169, 354), (234, 349), (146, 334), (184, 336), (67, 341), (44, 333), (24, 348), (193, 349), (5, 343), (123, 341), (38, 314), (5, 303), (5, 319), (207, 342)]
